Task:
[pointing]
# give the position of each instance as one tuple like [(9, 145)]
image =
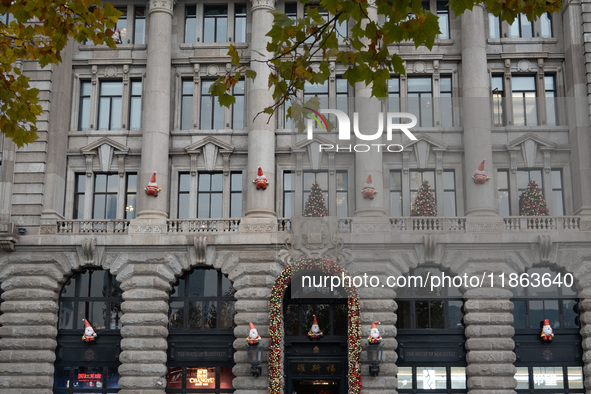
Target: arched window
[(431, 353), (556, 366), (201, 333), (89, 367)]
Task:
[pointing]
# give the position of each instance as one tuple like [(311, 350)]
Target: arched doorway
[(89, 367), (201, 334), (329, 364)]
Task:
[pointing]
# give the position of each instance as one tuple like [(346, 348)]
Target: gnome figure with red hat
[(152, 188), (89, 334), (368, 190), (260, 181), (479, 176), (374, 334), (253, 337), (315, 331), (547, 333)]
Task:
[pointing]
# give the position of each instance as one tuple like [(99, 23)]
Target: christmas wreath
[(276, 323)]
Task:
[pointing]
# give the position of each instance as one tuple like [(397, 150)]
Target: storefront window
[(89, 367), (201, 334)]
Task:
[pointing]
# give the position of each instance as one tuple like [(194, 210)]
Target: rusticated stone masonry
[(585, 319), (29, 326), (489, 346), (145, 318)]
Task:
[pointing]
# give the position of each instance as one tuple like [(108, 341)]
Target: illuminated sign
[(89, 377), (202, 379)]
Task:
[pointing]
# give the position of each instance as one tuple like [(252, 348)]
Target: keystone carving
[(88, 250), (200, 245), (545, 248)]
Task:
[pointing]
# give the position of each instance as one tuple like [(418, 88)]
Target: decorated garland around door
[(276, 323)]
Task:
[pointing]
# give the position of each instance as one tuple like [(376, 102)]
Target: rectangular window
[(342, 94), (84, 112), (288, 194), (525, 176), (212, 113), (139, 26), (121, 26), (546, 25), (521, 27), (130, 196), (236, 195), (395, 193), (498, 104), (111, 94), (420, 100), (550, 90), (187, 104), (394, 95), (291, 10), (209, 195), (315, 90), (449, 193), (503, 192), (215, 23), (494, 26), (443, 15), (238, 106), (105, 196), (320, 177), (417, 177), (557, 208), (239, 22), (135, 105), (79, 196), (183, 195), (524, 101), (445, 102), (190, 24), (342, 194)]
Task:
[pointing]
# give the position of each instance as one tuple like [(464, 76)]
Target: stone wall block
[(30, 282), (30, 306), (252, 306), (490, 357), (489, 331), (242, 319), (489, 344), (378, 305), (144, 331), (144, 344), (149, 319), (252, 280), (246, 269), (26, 383), (28, 294), (249, 383), (140, 357), (253, 294), (155, 306), (18, 369), (146, 283), (147, 369), (28, 344), (26, 319), (485, 318), (28, 331), (27, 356), (40, 269)]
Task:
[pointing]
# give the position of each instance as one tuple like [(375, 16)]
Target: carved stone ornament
[(161, 6)]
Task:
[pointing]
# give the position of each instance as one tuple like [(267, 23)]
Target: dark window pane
[(569, 312), (437, 314), (536, 313), (519, 314), (190, 24), (422, 314)]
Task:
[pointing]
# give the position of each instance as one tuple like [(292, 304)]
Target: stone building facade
[(171, 282)]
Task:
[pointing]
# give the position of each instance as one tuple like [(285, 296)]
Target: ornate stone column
[(480, 198), (29, 325), (261, 131), (156, 116), (489, 346), (145, 319)]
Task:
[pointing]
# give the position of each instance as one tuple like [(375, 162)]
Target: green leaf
[(234, 55), (250, 74)]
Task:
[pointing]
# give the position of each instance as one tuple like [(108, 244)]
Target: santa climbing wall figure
[(89, 334)]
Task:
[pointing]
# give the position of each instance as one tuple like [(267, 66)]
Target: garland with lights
[(276, 323)]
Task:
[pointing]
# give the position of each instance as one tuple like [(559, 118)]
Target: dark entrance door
[(315, 366)]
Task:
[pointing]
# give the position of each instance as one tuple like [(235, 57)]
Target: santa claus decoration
[(253, 337), (89, 334), (315, 331), (479, 176), (260, 181), (374, 334), (547, 334), (368, 190), (152, 189)]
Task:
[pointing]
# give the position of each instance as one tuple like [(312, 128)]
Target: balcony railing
[(203, 225), (512, 224), (112, 226), (542, 223)]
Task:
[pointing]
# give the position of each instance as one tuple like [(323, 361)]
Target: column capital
[(263, 4), (161, 6)]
